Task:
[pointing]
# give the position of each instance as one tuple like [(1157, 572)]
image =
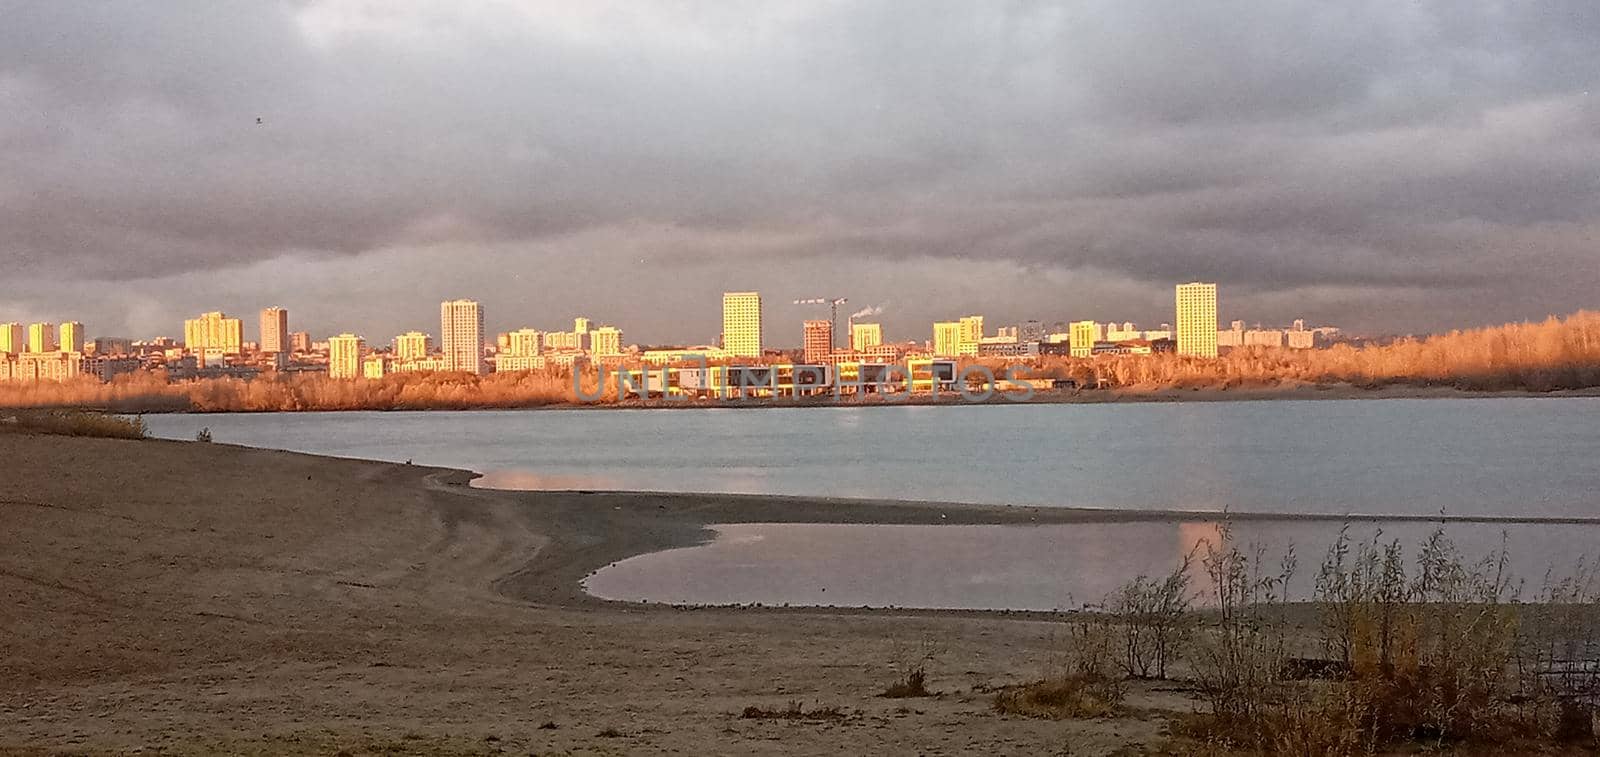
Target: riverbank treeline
[(1556, 354)]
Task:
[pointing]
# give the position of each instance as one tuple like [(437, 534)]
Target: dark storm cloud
[(1434, 146)]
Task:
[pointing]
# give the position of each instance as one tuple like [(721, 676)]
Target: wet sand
[(203, 597)]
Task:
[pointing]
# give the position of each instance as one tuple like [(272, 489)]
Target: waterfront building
[(1197, 319), (13, 338), (741, 324), (864, 336), (344, 356), (524, 343), (947, 339), (461, 336), (412, 345), (70, 337), (41, 338), (818, 340), (605, 341), (1083, 336), (213, 333), (274, 330)]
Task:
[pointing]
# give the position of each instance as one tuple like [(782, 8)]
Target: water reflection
[(526, 480), (1013, 567)]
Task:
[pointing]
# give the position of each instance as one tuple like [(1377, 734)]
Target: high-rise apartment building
[(864, 336), (214, 333), (70, 337), (818, 341), (971, 334), (13, 338), (606, 341), (275, 330), (947, 339), (524, 342), (461, 336), (1083, 335), (741, 324), (344, 356), (299, 341), (1197, 319), (412, 345), (41, 337)]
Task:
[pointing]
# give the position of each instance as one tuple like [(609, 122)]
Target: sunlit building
[(1197, 319), (1263, 338), (524, 342), (70, 336), (47, 366), (1084, 335), (412, 345), (1122, 332), (13, 338), (741, 324), (344, 356), (818, 342), (606, 341), (1233, 336), (971, 334), (685, 355), (274, 330), (864, 336), (376, 366), (461, 336), (562, 340), (299, 341), (41, 338), (947, 339), (213, 334), (511, 363)]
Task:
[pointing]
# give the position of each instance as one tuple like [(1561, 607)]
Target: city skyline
[(1416, 171)]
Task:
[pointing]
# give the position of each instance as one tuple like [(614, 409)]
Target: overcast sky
[(1386, 166)]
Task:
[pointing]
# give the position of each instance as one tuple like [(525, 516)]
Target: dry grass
[(794, 710), (1064, 698), (913, 684), (1558, 353), (74, 423)]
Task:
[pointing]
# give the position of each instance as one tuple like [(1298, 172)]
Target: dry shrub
[(75, 423), (914, 661), (1434, 652), (1238, 657), (1152, 620), (793, 711), (1065, 697), (913, 684), (1083, 677)]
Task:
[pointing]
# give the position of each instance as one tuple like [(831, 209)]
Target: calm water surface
[(1478, 456), (1050, 567), (1510, 457)]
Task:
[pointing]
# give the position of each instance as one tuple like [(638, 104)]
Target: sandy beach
[(199, 598), (208, 598)]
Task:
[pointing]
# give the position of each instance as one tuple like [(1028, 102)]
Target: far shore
[(1295, 393)]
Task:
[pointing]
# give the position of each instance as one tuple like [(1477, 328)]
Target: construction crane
[(833, 308)]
